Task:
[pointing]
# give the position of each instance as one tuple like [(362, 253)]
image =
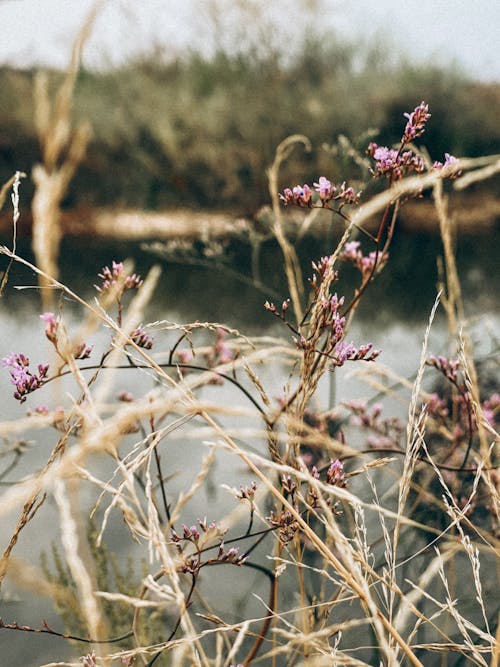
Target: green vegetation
[(201, 130)]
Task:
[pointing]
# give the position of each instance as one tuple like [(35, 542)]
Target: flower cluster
[(232, 555), (323, 265), (302, 195), (321, 269), (223, 355), (491, 408), (415, 126), (448, 167), (365, 263), (333, 323), (274, 310), (219, 353), (335, 476), (197, 537), (448, 367), (21, 377), (458, 404), (436, 406), (286, 524), (348, 352), (192, 564), (247, 492), (394, 164), (385, 432), (116, 276), (141, 338)]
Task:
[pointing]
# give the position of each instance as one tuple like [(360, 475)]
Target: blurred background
[(188, 101)]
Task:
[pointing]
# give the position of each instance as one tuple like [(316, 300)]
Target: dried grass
[(349, 573)]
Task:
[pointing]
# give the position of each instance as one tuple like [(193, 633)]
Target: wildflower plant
[(24, 380), (332, 588)]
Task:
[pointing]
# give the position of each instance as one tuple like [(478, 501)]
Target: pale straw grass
[(387, 610)]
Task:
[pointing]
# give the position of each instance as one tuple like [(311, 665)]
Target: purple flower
[(386, 158), (335, 474), (348, 352), (344, 352), (142, 338), (416, 122), (448, 168), (335, 303), (302, 195), (325, 188), (490, 408), (348, 194), (436, 406), (351, 250), (15, 360), (286, 196), (367, 263), (82, 351), (21, 377), (52, 325), (449, 367), (364, 263), (247, 492), (322, 266), (394, 164), (449, 160), (222, 350), (111, 277)]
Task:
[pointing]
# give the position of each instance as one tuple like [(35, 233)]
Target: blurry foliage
[(201, 130), (120, 575)]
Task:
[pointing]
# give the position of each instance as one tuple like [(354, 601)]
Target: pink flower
[(111, 277), (52, 325), (222, 350), (142, 338), (416, 122), (21, 377), (300, 195), (335, 474), (448, 169), (325, 188)]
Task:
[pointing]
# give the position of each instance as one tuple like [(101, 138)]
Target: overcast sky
[(41, 31)]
